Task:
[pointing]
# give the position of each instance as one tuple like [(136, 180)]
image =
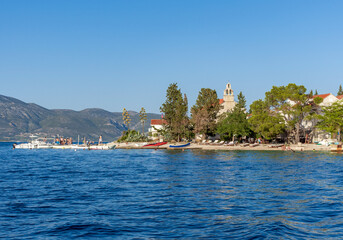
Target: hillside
[(18, 120)]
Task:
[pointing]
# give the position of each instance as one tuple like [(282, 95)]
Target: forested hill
[(18, 120)]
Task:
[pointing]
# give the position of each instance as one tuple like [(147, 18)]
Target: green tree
[(235, 123), (264, 122), (332, 119), (340, 90), (204, 112), (316, 93), (175, 112), (142, 117), (293, 103)]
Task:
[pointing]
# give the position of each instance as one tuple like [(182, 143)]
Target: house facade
[(155, 126)]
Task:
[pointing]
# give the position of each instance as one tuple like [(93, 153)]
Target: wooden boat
[(180, 146), (155, 144)]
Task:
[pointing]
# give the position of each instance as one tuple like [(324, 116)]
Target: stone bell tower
[(228, 101)]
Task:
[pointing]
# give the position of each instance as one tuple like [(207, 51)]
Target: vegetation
[(285, 112), (132, 136), (340, 90), (175, 110), (235, 123), (332, 119), (142, 118), (292, 103), (205, 112), (264, 122), (126, 118)]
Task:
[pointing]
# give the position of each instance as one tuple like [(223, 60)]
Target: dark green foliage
[(175, 112), (264, 122), (205, 111), (294, 104), (235, 123), (332, 119), (340, 90)]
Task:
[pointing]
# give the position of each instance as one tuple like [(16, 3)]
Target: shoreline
[(261, 147)]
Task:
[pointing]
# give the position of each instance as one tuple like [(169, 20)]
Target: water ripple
[(148, 194)]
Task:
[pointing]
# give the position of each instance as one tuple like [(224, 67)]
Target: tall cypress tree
[(175, 112), (340, 90)]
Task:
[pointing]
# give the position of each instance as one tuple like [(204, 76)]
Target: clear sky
[(77, 54)]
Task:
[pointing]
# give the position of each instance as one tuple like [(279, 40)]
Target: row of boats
[(40, 143)]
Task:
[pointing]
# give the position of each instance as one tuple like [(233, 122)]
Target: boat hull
[(180, 146)]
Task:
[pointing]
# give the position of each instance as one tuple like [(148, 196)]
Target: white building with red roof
[(155, 126), (328, 99)]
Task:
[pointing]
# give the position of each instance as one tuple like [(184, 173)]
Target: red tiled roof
[(158, 122), (322, 95), (221, 101), (339, 96)]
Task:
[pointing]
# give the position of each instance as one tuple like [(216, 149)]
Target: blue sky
[(79, 54)]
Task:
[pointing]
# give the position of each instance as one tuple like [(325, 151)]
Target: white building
[(228, 100), (155, 125), (328, 99)]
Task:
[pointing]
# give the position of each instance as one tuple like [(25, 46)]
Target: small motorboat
[(180, 146), (34, 143)]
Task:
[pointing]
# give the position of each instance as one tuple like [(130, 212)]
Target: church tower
[(228, 101)]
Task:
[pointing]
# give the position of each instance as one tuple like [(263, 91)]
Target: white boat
[(39, 143)]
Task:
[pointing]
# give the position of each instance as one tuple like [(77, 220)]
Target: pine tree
[(316, 93)]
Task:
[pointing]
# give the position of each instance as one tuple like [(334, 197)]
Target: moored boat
[(180, 146), (34, 143), (155, 144)]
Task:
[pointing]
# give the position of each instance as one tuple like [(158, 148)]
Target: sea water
[(149, 194)]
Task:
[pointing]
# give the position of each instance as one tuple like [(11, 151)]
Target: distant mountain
[(18, 120)]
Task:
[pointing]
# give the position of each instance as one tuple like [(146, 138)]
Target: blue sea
[(170, 194)]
